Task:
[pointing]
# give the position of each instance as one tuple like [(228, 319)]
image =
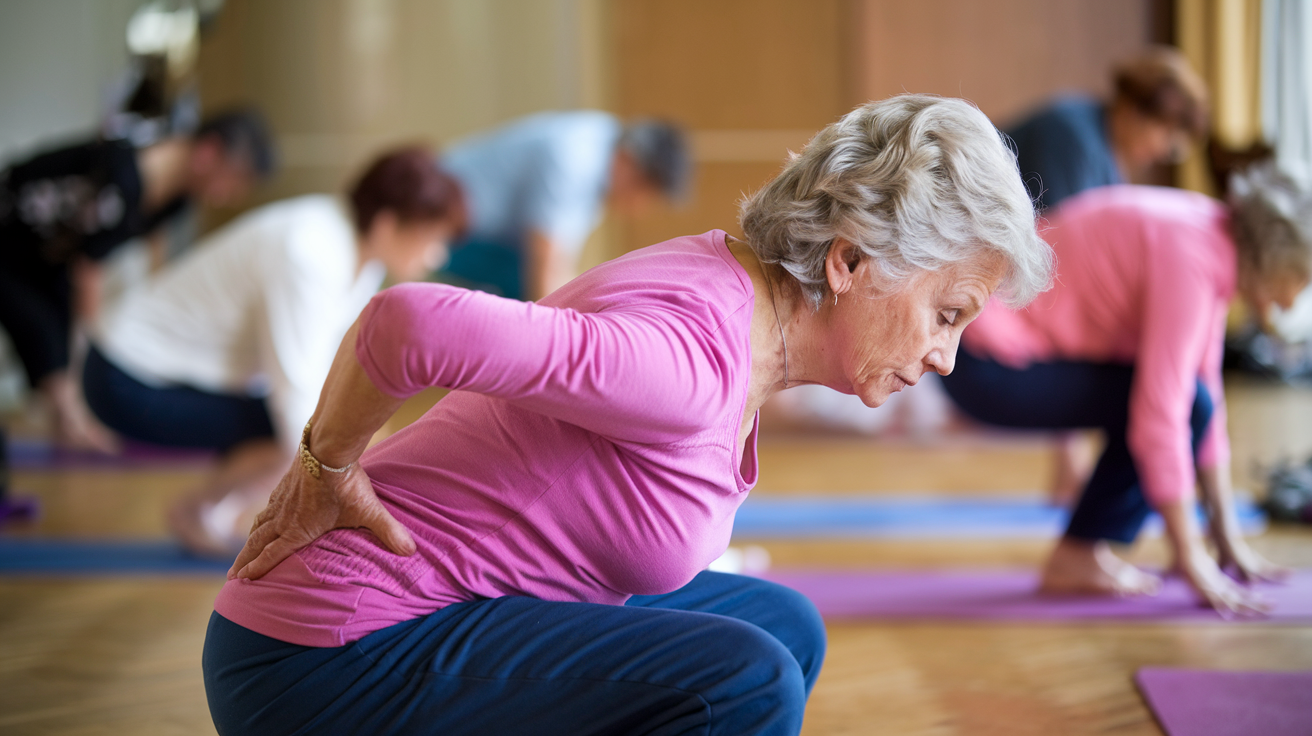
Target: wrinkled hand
[(1217, 589), (1234, 553), (303, 508)]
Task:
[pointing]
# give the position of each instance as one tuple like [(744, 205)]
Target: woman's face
[(409, 250), (887, 340)]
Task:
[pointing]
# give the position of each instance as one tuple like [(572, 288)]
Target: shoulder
[(694, 274), (1071, 118), (312, 234)]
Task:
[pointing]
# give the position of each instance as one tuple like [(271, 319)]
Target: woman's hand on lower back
[(304, 508)]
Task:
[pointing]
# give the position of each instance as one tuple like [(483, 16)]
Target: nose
[(943, 358)]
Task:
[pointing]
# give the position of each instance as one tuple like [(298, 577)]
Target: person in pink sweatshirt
[(1129, 341), (529, 556)]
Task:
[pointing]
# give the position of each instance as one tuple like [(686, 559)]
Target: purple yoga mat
[(1010, 595), (1211, 703)]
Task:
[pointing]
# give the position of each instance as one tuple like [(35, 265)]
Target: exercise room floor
[(122, 655)]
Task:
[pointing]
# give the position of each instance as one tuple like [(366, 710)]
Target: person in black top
[(63, 211)]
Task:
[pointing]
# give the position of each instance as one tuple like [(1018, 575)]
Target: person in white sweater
[(227, 348)]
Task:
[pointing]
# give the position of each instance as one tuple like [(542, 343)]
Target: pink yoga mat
[(1210, 703), (1010, 595)]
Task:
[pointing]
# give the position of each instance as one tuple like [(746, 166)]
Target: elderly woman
[(542, 531), (1129, 342), (227, 348)]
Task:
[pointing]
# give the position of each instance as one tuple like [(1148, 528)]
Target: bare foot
[(207, 529), (75, 427), (1077, 566)]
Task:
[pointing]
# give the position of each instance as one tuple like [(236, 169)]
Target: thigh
[(174, 416), (522, 666), (1054, 395)]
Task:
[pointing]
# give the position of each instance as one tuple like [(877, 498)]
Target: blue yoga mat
[(25, 454), (760, 518), (67, 557), (904, 517)]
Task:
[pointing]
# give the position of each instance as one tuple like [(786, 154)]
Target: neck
[(784, 330), (164, 171)]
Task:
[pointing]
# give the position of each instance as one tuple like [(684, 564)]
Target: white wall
[(57, 61)]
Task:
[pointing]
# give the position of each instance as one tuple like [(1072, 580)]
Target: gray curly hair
[(916, 182), (1271, 222)]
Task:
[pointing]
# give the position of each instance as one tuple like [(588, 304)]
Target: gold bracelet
[(310, 462)]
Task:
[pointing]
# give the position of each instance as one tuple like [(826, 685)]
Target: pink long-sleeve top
[(589, 449), (1144, 276)]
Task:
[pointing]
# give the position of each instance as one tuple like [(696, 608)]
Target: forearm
[(1182, 533), (1219, 500), (350, 409)]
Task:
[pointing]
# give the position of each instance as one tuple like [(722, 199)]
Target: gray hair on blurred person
[(916, 182), (661, 151), (1272, 222)]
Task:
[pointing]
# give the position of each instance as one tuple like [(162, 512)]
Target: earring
[(835, 298)]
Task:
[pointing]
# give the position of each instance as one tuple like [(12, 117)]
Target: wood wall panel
[(1005, 55), (749, 78)]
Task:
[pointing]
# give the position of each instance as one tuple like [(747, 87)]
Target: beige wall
[(341, 78), (58, 59), (1007, 56), (750, 78)]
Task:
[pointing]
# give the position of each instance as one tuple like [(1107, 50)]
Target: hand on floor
[(1217, 589), (1235, 554)]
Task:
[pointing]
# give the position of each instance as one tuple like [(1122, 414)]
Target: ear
[(841, 266)]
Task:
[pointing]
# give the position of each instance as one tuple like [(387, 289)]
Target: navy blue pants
[(173, 416), (725, 654), (1071, 395)]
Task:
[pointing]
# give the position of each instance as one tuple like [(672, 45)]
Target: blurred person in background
[(228, 346), (1130, 341), (537, 187), (1158, 110), (63, 211)]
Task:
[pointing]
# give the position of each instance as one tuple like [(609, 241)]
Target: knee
[(803, 632), (768, 685)]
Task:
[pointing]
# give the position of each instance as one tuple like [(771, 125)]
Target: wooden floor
[(121, 656)]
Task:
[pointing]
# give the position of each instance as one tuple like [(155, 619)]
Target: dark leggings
[(1070, 395), (36, 310), (725, 654), (174, 416)]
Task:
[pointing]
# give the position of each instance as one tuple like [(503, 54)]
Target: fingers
[(272, 554), (1233, 601), (391, 532), (261, 535)]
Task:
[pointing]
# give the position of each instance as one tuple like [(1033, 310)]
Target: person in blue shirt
[(1078, 142), (536, 188)]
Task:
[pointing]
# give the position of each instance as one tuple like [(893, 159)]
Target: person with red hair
[(227, 348)]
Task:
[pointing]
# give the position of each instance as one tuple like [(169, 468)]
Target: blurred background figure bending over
[(227, 347), (63, 211), (538, 186), (1157, 111)]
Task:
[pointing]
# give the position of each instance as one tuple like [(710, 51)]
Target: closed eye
[(949, 317)]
